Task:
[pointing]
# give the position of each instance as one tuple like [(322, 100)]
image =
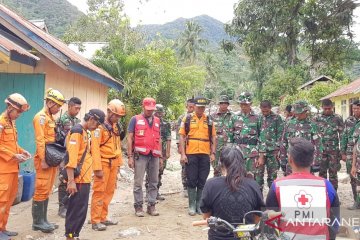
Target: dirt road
[(173, 223)]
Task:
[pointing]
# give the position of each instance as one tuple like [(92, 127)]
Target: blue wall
[(32, 87)]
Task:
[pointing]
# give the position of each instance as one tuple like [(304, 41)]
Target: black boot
[(39, 216), (192, 201), (198, 200), (55, 226), (355, 206)]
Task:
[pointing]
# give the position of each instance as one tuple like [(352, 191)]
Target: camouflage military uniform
[(347, 146), (331, 128), (224, 134), (305, 129), (183, 172), (64, 124), (165, 129), (356, 181), (246, 128), (271, 130)]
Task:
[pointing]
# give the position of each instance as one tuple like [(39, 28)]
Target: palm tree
[(190, 42), (124, 68)]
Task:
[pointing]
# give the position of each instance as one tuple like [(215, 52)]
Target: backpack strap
[(210, 125), (187, 124)]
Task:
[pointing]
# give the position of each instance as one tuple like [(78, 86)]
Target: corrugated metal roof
[(321, 78), (54, 49), (353, 87), (11, 46)]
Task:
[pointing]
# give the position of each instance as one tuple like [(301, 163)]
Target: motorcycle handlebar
[(273, 214), (199, 223)]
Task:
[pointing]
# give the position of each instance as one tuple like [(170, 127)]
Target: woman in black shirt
[(231, 196)]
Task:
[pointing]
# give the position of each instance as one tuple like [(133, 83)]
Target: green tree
[(190, 42), (106, 22), (282, 27)]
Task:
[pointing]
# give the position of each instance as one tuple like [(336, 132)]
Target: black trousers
[(197, 170), (77, 210), (62, 194)]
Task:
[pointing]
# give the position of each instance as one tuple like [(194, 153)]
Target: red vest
[(304, 200), (147, 139)]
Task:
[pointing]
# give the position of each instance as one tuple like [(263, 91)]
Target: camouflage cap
[(201, 101), (223, 99), (159, 108), (245, 97), (300, 106)]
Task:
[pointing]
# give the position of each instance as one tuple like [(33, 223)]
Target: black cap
[(190, 100), (356, 103), (201, 101), (98, 115)]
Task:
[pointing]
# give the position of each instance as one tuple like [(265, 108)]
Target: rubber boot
[(355, 206), (39, 216), (55, 226), (198, 200), (192, 201)]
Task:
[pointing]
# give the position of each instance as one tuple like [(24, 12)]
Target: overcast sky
[(162, 11)]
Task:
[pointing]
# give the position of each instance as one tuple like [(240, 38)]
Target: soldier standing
[(64, 124), (165, 129), (349, 137), (224, 134), (189, 109), (246, 128), (301, 126), (331, 126), (271, 130), (165, 132), (355, 169), (198, 146), (11, 155)]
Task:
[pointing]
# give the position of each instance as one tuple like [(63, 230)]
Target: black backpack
[(209, 122)]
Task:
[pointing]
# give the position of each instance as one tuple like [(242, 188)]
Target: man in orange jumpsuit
[(11, 154), (84, 156), (111, 160), (44, 125)]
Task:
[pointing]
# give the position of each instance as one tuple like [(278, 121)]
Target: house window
[(343, 107), (351, 100)]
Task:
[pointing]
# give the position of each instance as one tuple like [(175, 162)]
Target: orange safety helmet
[(55, 96), (117, 107), (17, 101)]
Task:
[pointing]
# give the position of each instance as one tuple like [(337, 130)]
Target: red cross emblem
[(303, 199)]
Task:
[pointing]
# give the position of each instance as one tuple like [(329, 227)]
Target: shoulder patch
[(42, 120), (76, 129), (97, 133)]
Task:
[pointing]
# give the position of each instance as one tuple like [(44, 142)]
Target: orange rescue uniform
[(76, 144), (44, 126), (111, 160), (198, 137), (9, 168)]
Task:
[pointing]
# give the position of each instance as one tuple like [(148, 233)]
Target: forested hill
[(213, 30), (58, 14)]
